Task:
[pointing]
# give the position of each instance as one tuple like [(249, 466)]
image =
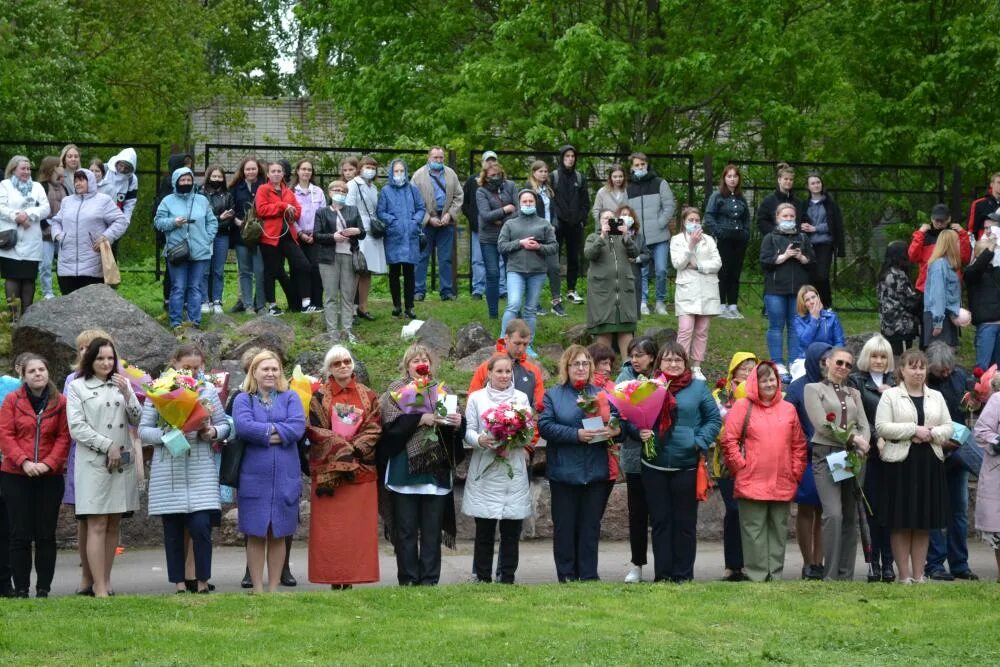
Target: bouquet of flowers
[(345, 420), (512, 427), (304, 385), (175, 395), (975, 398), (639, 401), (137, 377), (219, 380), (421, 395)]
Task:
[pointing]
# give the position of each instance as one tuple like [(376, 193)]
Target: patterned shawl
[(334, 461)]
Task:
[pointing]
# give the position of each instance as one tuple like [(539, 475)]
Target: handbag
[(109, 265), (358, 261), (232, 459), (8, 239), (376, 228), (178, 253), (422, 240), (702, 482), (252, 229)]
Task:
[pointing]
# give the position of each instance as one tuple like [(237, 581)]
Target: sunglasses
[(843, 364), (337, 363)]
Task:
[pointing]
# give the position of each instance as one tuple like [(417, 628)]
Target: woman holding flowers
[(184, 488), (100, 407), (579, 464), (420, 445), (913, 424), (499, 426), (837, 415), (270, 421), (344, 424), (688, 425), (766, 451)]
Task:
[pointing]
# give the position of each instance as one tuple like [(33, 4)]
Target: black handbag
[(8, 239), (358, 261), (179, 253), (232, 459), (376, 228)]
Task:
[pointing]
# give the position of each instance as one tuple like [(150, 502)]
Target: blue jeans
[(185, 285), (952, 542), (781, 314), (478, 268), (215, 277), (523, 289), (491, 259), (660, 253), (987, 345), (45, 267), (251, 267), (441, 239)]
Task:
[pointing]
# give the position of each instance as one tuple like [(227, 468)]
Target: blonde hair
[(12, 164), (250, 382), (947, 247), (782, 207), (800, 300), (877, 344), (83, 339), (571, 353), (419, 350)]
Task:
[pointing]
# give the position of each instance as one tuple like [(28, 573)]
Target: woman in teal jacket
[(186, 218), (688, 426)]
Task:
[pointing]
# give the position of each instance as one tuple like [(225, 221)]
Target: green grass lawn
[(715, 623)]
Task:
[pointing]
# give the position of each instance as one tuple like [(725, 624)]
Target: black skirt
[(913, 493), (18, 269)]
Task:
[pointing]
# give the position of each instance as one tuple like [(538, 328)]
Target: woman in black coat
[(825, 226)]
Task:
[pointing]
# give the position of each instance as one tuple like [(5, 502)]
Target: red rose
[(830, 416), (721, 384), (423, 369), (579, 385), (978, 372)]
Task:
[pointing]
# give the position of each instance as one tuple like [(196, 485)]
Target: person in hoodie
[(221, 200), (401, 208), (186, 217), (527, 241), (572, 204), (77, 229), (808, 520), (166, 187), (652, 199), (120, 182), (279, 212), (732, 387), (765, 450), (23, 207)]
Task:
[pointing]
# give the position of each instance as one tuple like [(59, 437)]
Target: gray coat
[(99, 418), (520, 260), (188, 483)]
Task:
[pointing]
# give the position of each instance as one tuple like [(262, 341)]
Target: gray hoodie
[(78, 224), (523, 226)]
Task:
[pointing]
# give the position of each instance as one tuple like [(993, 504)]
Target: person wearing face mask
[(187, 220), (924, 240), (526, 240), (696, 297), (362, 194), (121, 183), (496, 202), (571, 206), (651, 197), (767, 212), (23, 207), (727, 220), (77, 229), (825, 226), (784, 254), (611, 313), (442, 193), (538, 182), (982, 277), (338, 230), (310, 196), (631, 220), (224, 208), (401, 209)]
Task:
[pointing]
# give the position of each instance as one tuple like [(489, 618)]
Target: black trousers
[(732, 541), (638, 518), (199, 525), (407, 271), (577, 510), (733, 252), (315, 293), (571, 235), (274, 269), (900, 343), (417, 541), (69, 284), (32, 513), (5, 573), (674, 513), (482, 556), (820, 272)]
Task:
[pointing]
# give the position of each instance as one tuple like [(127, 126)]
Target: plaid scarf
[(334, 461)]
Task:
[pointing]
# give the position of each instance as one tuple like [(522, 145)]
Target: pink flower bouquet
[(345, 420), (175, 396), (512, 427), (638, 401)]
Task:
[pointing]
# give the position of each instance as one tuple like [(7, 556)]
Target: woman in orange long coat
[(343, 522)]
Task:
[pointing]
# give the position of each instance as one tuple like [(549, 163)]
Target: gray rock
[(361, 373), (856, 342), (311, 362), (235, 370), (661, 334), (436, 335), (470, 338), (471, 362), (577, 335), (551, 351), (223, 323), (50, 328), (264, 332)]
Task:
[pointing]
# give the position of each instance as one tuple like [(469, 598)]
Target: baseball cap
[(489, 155), (940, 212)]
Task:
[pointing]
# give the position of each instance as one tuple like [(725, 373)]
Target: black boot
[(286, 573), (247, 581)]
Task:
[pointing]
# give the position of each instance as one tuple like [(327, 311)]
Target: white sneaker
[(50, 296), (644, 308), (735, 313), (206, 308), (306, 302), (634, 574), (574, 297), (661, 308), (782, 370), (697, 374), (217, 308), (725, 313)]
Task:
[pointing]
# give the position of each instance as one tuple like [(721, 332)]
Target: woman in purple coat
[(270, 421)]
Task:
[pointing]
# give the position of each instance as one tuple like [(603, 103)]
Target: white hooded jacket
[(122, 188), (36, 206)]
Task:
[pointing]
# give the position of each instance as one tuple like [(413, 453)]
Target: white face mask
[(368, 174)]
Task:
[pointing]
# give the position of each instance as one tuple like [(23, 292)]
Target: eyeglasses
[(842, 363), (673, 361), (580, 364), (337, 363)]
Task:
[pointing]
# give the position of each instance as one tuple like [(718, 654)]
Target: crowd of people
[(875, 449)]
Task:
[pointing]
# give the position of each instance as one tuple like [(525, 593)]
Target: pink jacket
[(987, 430), (775, 446)]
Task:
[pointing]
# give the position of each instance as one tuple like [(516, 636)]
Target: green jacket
[(610, 281)]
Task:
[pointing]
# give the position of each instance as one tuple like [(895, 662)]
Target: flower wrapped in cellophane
[(304, 386), (421, 395), (345, 420), (136, 377), (639, 402), (512, 427), (175, 395)]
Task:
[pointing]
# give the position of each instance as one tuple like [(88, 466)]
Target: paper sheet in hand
[(592, 424), (838, 466), (451, 403)]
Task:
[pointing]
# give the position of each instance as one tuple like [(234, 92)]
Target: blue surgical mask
[(339, 198), (368, 174), (527, 210), (436, 166), (639, 173), (399, 180), (786, 225), (692, 227)]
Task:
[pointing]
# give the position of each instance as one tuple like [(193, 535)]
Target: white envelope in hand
[(839, 467)]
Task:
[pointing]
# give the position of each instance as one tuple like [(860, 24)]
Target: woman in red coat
[(34, 437), (278, 209), (766, 451)]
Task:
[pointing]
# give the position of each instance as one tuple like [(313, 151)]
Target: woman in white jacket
[(491, 494), (696, 259), (184, 490), (23, 206)]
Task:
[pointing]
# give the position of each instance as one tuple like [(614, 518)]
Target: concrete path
[(143, 571)]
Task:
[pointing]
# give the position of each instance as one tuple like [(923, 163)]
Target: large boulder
[(436, 335), (471, 362), (265, 332), (857, 341), (577, 335), (50, 328), (661, 334), (472, 337)]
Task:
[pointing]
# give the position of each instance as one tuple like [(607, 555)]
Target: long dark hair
[(90, 356), (895, 258)]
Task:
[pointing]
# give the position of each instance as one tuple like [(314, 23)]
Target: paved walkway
[(144, 570)]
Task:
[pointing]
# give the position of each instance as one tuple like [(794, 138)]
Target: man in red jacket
[(923, 240), (984, 206)]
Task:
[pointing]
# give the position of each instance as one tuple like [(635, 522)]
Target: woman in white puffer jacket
[(491, 494)]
